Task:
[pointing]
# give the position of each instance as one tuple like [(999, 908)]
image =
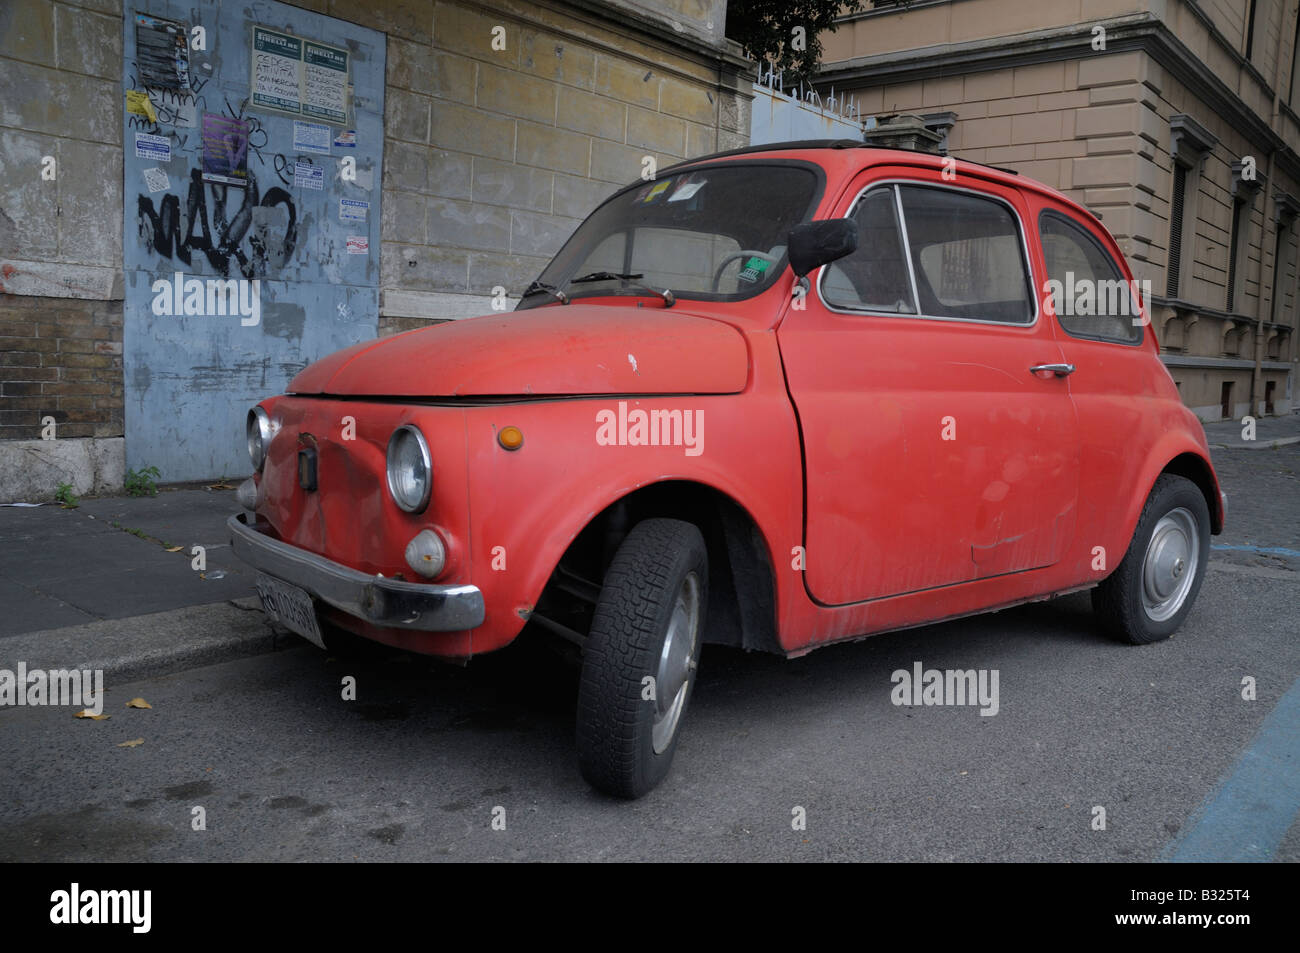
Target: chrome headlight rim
[(259, 419), (425, 458)]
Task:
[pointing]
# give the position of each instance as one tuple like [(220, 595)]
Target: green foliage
[(767, 31), (65, 496), (141, 482)]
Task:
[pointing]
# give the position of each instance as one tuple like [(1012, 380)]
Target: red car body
[(897, 527), (855, 475)]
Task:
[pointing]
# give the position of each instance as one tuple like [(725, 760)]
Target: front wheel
[(1151, 592), (640, 657)]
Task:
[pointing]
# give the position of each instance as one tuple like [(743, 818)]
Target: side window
[(968, 256), (1090, 297), (873, 278)]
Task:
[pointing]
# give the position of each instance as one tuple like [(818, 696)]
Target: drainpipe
[(1257, 378)]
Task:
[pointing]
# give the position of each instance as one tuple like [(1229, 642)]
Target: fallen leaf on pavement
[(174, 549), (135, 743), (85, 713), (138, 703)]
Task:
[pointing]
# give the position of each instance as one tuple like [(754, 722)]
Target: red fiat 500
[(774, 398)]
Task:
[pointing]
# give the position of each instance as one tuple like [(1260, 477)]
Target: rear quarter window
[(1089, 294)]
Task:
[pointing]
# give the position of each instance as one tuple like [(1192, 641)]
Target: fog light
[(426, 554), (247, 494)]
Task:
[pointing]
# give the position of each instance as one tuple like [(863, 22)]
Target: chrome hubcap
[(676, 663), (1170, 564)]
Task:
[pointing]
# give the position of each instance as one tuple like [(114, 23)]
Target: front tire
[(646, 633), (1149, 595)]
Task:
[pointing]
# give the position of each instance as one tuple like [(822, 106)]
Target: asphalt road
[(413, 769)]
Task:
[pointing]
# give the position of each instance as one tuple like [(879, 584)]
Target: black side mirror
[(819, 243)]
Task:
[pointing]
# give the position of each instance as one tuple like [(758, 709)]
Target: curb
[(1260, 445), (148, 646)]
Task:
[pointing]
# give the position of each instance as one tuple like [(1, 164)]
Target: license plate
[(290, 606)]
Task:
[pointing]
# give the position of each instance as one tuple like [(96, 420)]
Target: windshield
[(715, 233)]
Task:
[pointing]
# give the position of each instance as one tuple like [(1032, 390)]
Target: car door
[(934, 455)]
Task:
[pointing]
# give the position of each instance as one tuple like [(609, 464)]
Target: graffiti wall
[(253, 138)]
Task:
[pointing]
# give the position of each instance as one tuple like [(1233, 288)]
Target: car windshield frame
[(638, 287)]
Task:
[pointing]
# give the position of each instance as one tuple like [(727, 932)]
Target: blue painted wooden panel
[(191, 377)]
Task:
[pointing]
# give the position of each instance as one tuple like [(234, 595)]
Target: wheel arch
[(742, 582), (1194, 467)]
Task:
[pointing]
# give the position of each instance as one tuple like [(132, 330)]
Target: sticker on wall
[(156, 180), (137, 101), (225, 150), (153, 148), (311, 137), (358, 245), (351, 210), (346, 140), (294, 75), (162, 53), (308, 176)]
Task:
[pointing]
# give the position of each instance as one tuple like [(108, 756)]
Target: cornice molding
[(1142, 33)]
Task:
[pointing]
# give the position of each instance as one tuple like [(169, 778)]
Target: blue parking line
[(1250, 813), (1270, 550)]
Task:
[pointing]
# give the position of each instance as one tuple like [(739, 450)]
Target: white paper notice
[(156, 180), (311, 137), (351, 210), (308, 176), (358, 245), (157, 148)]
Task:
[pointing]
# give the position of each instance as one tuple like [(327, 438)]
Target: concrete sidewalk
[(1270, 433), (95, 586)]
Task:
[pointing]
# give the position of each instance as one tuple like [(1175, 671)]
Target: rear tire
[(646, 633), (1149, 595)]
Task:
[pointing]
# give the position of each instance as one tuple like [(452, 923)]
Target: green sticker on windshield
[(753, 269)]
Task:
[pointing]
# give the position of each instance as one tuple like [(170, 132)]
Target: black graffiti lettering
[(161, 227)]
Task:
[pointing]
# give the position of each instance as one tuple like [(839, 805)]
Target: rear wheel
[(1151, 592), (640, 657)]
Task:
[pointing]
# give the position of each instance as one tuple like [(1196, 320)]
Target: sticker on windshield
[(657, 191), (688, 187), (753, 269)]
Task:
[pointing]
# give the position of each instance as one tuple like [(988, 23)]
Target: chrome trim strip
[(376, 599)]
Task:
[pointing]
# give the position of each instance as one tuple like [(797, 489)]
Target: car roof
[(850, 155)]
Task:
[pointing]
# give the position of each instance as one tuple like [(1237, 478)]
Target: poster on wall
[(162, 52), (225, 150), (298, 76)]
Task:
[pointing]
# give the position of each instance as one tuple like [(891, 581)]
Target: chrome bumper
[(376, 599)]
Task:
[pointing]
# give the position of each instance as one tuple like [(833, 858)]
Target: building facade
[(430, 176), (1174, 121)]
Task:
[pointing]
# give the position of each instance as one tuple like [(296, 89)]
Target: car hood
[(558, 350)]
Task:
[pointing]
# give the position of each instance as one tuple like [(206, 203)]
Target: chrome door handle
[(1060, 370)]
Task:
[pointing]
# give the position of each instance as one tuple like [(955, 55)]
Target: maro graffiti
[(259, 239)]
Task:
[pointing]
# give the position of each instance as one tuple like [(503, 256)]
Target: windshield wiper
[(542, 286), (666, 294)]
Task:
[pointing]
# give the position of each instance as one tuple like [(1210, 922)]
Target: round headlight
[(258, 429), (410, 469)]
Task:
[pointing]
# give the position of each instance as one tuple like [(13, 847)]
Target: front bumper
[(376, 599)]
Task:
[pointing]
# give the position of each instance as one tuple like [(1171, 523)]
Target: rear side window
[(1089, 294), (968, 256), (933, 252)]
